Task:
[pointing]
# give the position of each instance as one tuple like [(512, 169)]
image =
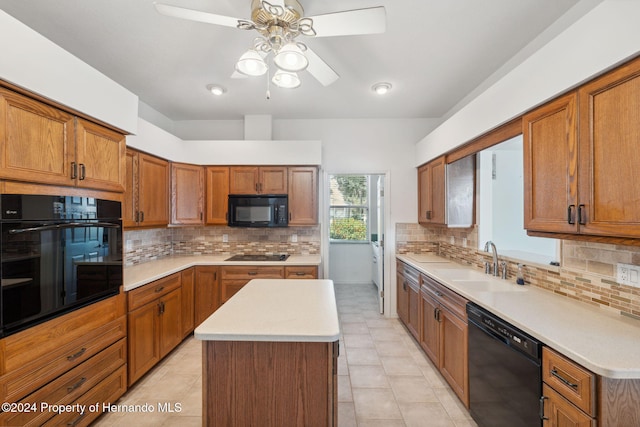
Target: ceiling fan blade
[(371, 20), (196, 15), (320, 69)]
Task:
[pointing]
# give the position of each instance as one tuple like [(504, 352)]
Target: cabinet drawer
[(107, 391), (571, 380), (301, 272), (409, 273), (445, 296), (68, 387), (250, 272), (154, 290)]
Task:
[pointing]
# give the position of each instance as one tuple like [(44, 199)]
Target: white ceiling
[(434, 52)]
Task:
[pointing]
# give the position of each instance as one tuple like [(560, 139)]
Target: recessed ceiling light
[(381, 88), (216, 89)]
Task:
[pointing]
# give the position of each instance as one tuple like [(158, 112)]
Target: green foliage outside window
[(348, 229)]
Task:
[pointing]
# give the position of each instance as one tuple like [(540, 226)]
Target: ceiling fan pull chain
[(268, 85)]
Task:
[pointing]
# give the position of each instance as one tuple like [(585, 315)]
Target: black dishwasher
[(505, 382)]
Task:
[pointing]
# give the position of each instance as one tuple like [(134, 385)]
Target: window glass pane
[(349, 208)]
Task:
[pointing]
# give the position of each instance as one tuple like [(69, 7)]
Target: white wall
[(29, 60), (604, 37), (350, 263)]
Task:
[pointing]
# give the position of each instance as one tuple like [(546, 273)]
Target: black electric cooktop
[(275, 257)]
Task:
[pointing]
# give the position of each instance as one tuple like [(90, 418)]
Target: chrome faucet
[(494, 251)]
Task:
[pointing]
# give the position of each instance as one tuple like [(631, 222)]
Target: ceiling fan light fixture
[(291, 58), (381, 88), (286, 79), (251, 64), (216, 90)]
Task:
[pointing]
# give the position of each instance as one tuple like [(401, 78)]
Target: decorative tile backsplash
[(147, 245), (587, 272)]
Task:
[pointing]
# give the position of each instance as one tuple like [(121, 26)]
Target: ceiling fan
[(279, 23)]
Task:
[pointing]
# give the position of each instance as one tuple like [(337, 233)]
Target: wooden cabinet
[(301, 272), (188, 279), (581, 158), (154, 323), (402, 291), (207, 292), (558, 412), (431, 192), (303, 195), (88, 349), (147, 191), (258, 180), (187, 194), (233, 278), (444, 334), (217, 195), (409, 280), (43, 144)]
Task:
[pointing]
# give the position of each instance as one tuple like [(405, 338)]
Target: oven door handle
[(63, 226)]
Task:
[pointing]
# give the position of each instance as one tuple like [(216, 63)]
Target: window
[(349, 208)]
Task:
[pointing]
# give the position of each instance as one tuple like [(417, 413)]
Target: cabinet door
[(170, 330), (454, 353), (229, 288), (413, 295), (438, 191), (430, 331), (187, 194), (188, 299), (243, 180), (402, 298), (207, 292), (609, 156), (558, 412), (217, 195), (153, 190), (37, 141), (100, 155), (130, 204), (303, 196), (142, 337), (550, 167), (424, 193), (272, 180)]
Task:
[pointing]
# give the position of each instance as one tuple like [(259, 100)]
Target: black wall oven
[(57, 254)]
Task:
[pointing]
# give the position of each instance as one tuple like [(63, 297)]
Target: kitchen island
[(270, 355)]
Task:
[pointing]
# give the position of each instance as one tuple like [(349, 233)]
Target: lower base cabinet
[(86, 364), (154, 323), (207, 292)]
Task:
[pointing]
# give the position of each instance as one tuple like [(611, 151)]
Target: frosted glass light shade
[(251, 64), (291, 58), (285, 79)]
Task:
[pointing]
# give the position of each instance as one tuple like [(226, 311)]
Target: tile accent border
[(587, 272)]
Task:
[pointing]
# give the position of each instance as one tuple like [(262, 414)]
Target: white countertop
[(292, 310), (606, 343), (141, 274)]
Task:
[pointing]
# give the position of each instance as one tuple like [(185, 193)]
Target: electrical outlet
[(628, 274), (294, 238), (225, 238)]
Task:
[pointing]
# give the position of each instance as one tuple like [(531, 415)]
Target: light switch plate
[(628, 274)]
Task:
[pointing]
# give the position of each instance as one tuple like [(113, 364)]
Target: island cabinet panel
[(154, 323), (207, 292), (270, 383)]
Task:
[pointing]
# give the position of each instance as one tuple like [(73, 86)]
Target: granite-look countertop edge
[(606, 343), (281, 310), (141, 274)]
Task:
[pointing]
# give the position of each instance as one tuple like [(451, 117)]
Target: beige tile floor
[(384, 379)]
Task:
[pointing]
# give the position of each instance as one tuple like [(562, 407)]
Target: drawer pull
[(252, 273), (159, 289), (76, 355), (77, 420), (76, 385), (554, 372), (440, 294), (300, 273)]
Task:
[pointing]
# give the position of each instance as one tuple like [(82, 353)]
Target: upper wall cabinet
[(582, 178), (146, 201), (217, 195), (431, 192), (303, 195), (258, 180), (46, 145), (187, 194)]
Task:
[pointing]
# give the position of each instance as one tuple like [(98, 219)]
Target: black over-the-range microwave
[(258, 210)]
